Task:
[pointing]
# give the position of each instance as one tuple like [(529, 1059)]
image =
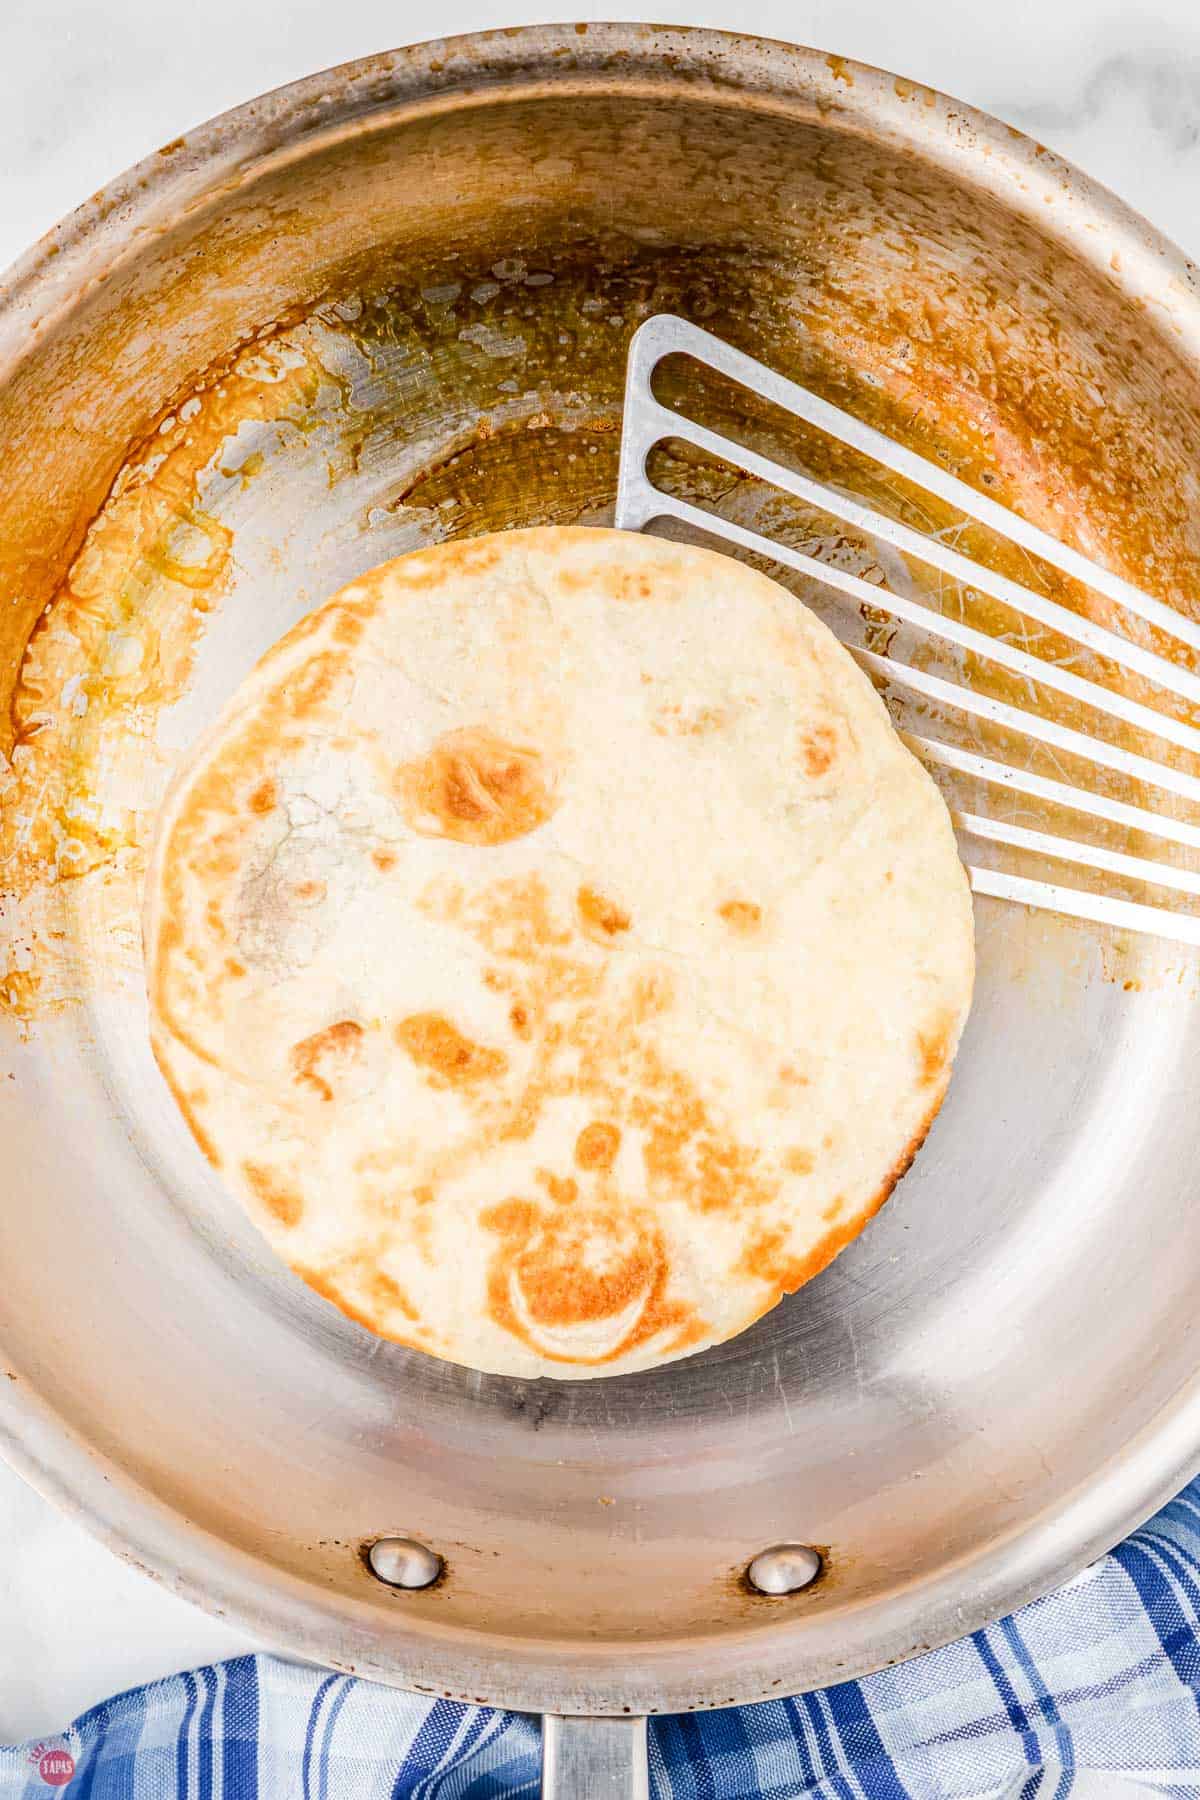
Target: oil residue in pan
[(472, 399)]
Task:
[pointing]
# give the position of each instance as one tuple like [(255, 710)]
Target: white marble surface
[(86, 89)]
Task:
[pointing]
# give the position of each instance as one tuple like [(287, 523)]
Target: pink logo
[(55, 1764)]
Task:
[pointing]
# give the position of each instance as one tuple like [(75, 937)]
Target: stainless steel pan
[(391, 304)]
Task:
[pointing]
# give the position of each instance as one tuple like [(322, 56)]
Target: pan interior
[(413, 329)]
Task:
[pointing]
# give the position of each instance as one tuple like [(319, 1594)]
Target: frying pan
[(390, 305)]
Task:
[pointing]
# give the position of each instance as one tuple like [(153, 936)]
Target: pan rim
[(51, 278)]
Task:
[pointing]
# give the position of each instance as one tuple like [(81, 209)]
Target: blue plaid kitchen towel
[(1092, 1692)]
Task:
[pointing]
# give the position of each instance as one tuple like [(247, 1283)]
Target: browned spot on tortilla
[(390, 1292), (440, 1047), (562, 1189), (314, 682), (234, 968), (602, 915), (766, 1259), (685, 1155), (311, 1054), (518, 1018), (348, 626), (625, 584), (597, 1145), (264, 798), (800, 1162), (818, 747), (834, 1208), (742, 916), (935, 1047), (511, 1218), (577, 1266), (653, 994), (592, 1038), (694, 1331), (384, 860), (310, 891), (464, 556), (420, 1225), (476, 788), (417, 1215), (363, 1268), (330, 1287), (675, 720), (204, 837), (284, 1202), (600, 575), (184, 1102)]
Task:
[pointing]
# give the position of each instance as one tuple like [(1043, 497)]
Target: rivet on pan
[(784, 1569), (403, 1562)]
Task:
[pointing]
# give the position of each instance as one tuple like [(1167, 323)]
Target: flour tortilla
[(557, 950)]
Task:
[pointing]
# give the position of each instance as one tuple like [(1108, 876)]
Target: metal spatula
[(1113, 793)]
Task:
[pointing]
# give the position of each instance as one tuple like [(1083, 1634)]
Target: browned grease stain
[(450, 1058), (19, 990), (476, 788), (315, 1057), (501, 479), (113, 645), (284, 1202), (604, 917), (742, 916)]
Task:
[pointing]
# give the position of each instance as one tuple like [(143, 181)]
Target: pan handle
[(594, 1759)]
